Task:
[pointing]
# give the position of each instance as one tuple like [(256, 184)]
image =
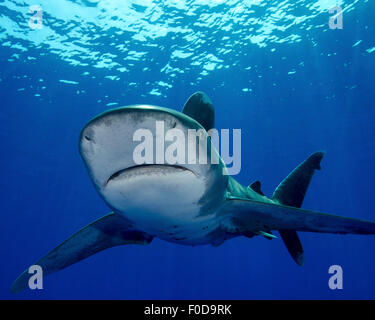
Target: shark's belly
[(163, 203)]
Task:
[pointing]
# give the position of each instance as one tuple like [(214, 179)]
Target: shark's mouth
[(147, 170)]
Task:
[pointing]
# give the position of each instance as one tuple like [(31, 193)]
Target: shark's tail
[(291, 192), (284, 214)]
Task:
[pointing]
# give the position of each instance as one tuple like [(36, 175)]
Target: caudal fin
[(291, 192)]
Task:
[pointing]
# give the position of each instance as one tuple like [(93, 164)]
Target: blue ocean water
[(272, 68)]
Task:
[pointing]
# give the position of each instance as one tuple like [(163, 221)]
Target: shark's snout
[(126, 138)]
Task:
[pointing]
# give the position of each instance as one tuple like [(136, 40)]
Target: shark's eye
[(174, 124), (87, 138)]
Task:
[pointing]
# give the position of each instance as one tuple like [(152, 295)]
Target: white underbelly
[(163, 203)]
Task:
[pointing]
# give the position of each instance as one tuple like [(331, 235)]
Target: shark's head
[(173, 175)]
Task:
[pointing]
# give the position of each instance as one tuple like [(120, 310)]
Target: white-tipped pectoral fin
[(109, 231)]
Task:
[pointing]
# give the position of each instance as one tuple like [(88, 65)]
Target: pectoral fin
[(109, 231)]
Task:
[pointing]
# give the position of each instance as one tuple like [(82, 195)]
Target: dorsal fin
[(200, 108), (256, 186)]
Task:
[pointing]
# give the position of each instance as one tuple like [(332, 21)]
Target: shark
[(187, 204)]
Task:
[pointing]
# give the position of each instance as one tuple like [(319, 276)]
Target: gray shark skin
[(187, 204)]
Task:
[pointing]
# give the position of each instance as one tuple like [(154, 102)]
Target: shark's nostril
[(89, 135)]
